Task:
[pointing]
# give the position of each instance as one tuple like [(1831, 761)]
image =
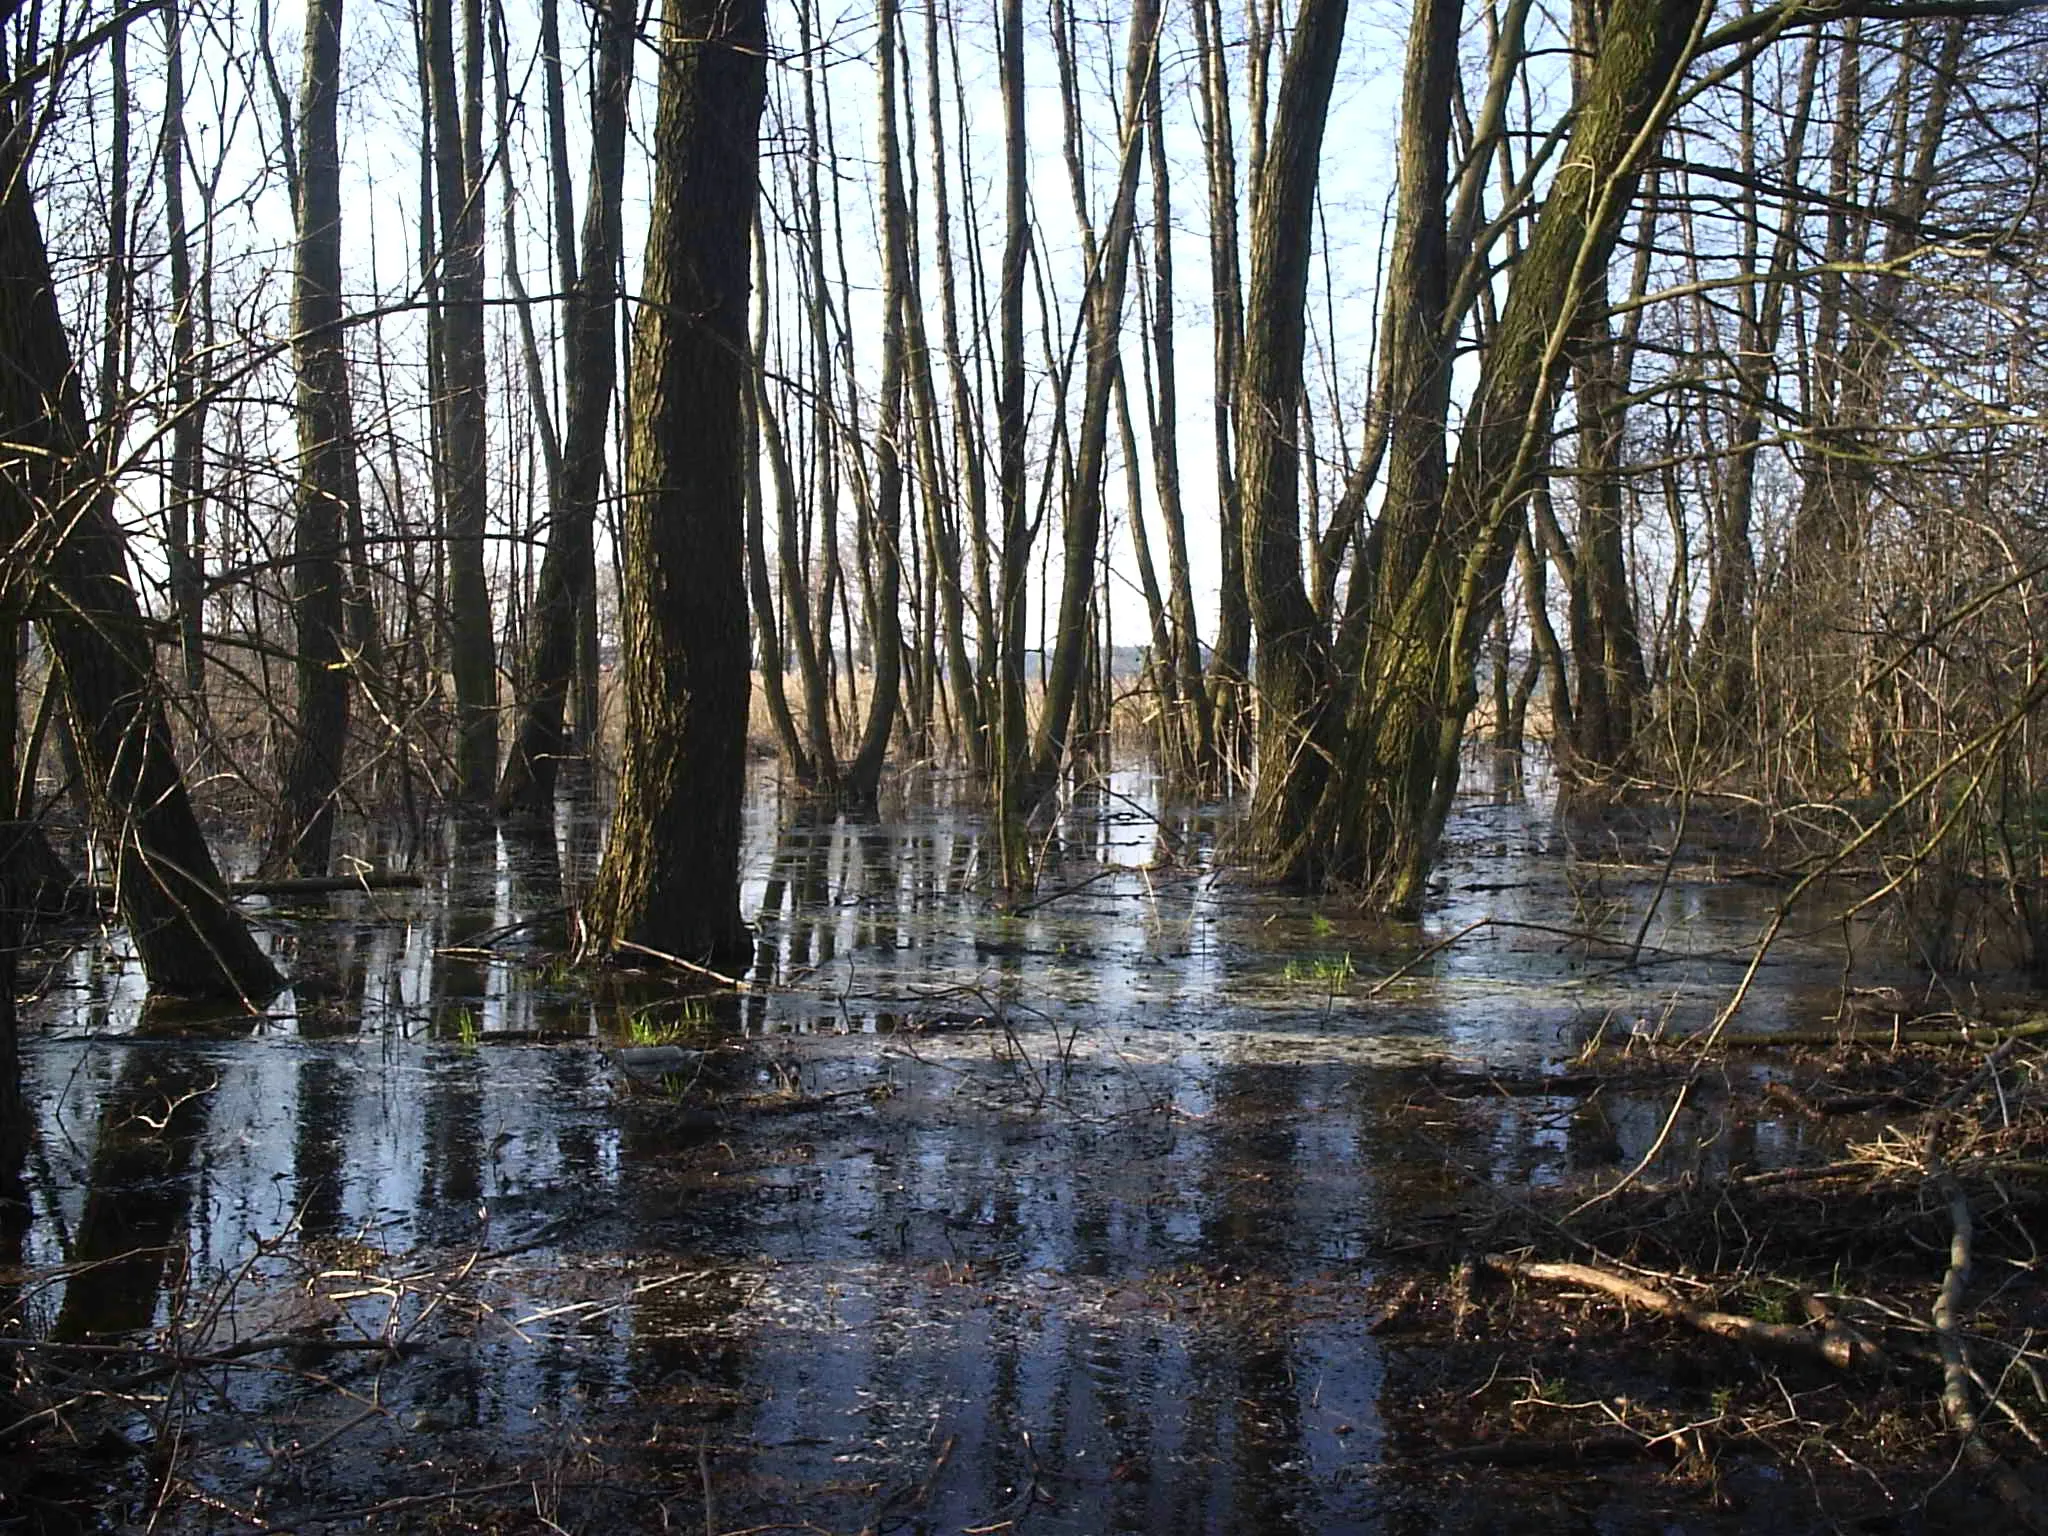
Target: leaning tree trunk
[(670, 878), (1104, 304), (57, 522), (302, 839)]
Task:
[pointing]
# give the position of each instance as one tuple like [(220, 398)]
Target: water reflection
[(964, 1212)]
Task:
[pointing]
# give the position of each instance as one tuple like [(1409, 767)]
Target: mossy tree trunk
[(670, 877), (1392, 769)]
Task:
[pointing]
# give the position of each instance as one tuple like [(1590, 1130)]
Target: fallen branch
[(1832, 1346), (1967, 1034), (736, 983), (1958, 1405), (1547, 1450)]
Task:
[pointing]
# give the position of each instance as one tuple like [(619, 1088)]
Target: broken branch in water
[(1834, 1345)]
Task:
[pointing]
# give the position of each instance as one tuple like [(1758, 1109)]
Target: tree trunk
[(57, 512), (670, 877), (1296, 685), (1197, 760), (1104, 300), (1012, 725), (1388, 803), (465, 445), (885, 510), (568, 570), (188, 407), (302, 840), (1230, 663)]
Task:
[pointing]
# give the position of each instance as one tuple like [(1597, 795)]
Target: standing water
[(954, 1218)]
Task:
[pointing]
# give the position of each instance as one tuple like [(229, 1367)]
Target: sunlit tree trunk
[(973, 691), (1295, 680), (1230, 662), (1184, 663), (670, 877), (1386, 805), (885, 497), (764, 443)]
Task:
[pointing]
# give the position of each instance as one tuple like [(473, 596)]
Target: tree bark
[(302, 839), (1104, 300), (885, 499), (188, 405), (670, 877), (458, 167), (1295, 681)]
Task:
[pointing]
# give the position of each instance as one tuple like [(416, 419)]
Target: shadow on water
[(958, 1215)]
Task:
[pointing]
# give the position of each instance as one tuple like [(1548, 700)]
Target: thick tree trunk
[(1389, 802), (302, 840), (1376, 822), (670, 877), (56, 512)]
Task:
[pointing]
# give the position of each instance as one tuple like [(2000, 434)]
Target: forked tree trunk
[(57, 515), (302, 839), (1380, 818), (670, 877)]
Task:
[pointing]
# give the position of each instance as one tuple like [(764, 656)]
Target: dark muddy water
[(1067, 1218)]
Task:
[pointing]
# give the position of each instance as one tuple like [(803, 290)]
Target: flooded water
[(957, 1219)]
